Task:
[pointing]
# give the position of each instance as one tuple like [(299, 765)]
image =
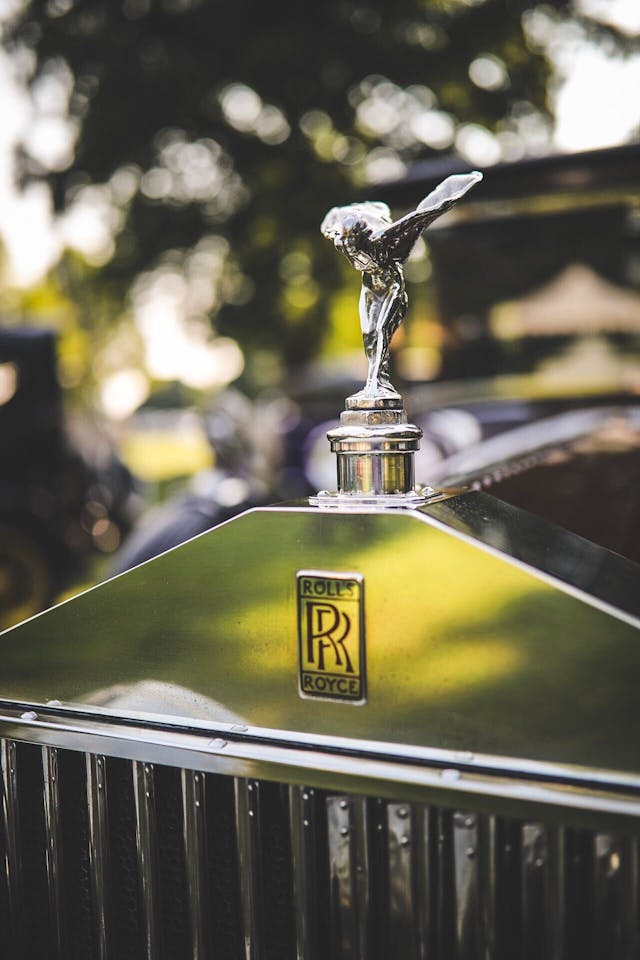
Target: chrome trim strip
[(98, 847), (456, 787), (303, 817), (92, 720), (144, 794), (53, 850), (11, 823), (403, 851), (247, 796), (195, 854)]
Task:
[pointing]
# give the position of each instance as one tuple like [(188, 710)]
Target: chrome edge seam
[(496, 792)]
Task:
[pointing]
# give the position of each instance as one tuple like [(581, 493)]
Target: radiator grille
[(110, 858)]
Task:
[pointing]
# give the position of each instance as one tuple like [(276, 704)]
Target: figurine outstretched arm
[(399, 238)]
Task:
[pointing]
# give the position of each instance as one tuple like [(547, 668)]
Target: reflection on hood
[(154, 696)]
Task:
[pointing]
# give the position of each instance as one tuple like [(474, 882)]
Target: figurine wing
[(401, 236)]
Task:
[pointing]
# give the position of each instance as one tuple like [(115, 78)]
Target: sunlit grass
[(157, 455)]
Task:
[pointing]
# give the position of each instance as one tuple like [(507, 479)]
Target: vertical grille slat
[(403, 843), (305, 818), (6, 924), (195, 847), (443, 890), (80, 931), (249, 861), (53, 850), (348, 876), (361, 854), (98, 848), (508, 886), (615, 901), (424, 881), (475, 880), (144, 798), (225, 910), (172, 875), (276, 872), (579, 895), (11, 830), (488, 853), (126, 916), (557, 898), (37, 940), (542, 892), (534, 861), (631, 909), (631, 917), (341, 879), (466, 855)]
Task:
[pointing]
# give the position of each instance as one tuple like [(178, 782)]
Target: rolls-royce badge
[(331, 650)]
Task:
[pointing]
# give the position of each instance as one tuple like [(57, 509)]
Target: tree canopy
[(216, 135)]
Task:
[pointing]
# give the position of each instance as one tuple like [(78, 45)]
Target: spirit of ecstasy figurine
[(378, 247), (375, 444)]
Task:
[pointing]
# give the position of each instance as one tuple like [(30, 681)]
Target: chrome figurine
[(378, 247)]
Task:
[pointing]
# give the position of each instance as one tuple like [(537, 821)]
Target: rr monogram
[(327, 629)]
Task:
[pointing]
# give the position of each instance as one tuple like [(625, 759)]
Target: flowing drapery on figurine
[(378, 247)]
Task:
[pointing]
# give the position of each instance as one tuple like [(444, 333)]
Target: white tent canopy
[(576, 301)]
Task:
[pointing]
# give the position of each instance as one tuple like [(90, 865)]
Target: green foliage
[(153, 95)]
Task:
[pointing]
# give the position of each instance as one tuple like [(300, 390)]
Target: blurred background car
[(65, 495)]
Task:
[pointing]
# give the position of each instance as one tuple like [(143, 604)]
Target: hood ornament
[(375, 443)]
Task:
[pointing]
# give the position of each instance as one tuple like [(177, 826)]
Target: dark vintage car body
[(329, 730), (64, 494)]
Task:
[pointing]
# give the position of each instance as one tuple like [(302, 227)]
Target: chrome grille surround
[(127, 840)]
